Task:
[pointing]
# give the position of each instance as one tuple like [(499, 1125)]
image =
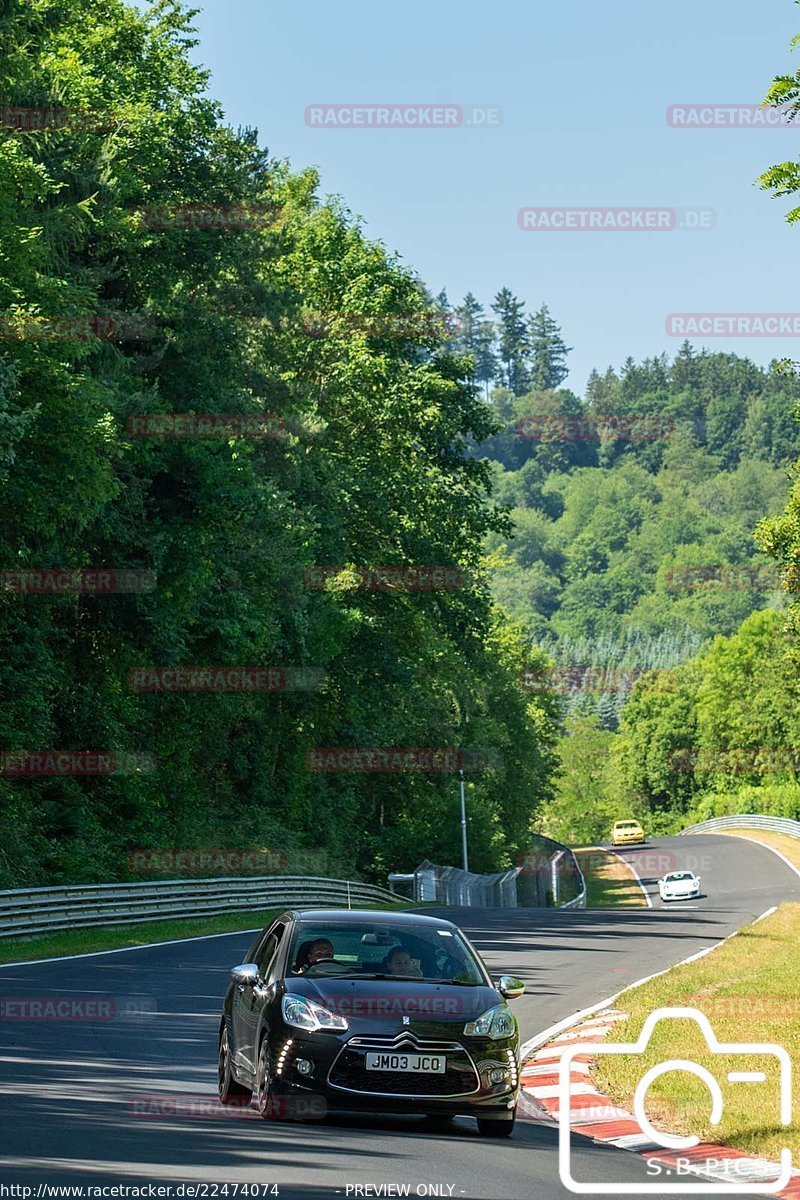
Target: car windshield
[(627, 824), (678, 876), (369, 951)]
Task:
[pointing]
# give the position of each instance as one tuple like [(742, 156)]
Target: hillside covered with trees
[(656, 562), (643, 563)]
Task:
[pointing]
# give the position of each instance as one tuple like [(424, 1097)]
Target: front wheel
[(269, 1105), (497, 1127), (230, 1092)]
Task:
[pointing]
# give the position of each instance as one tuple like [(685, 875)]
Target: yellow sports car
[(626, 833)]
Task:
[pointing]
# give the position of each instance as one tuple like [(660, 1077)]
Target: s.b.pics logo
[(682, 1154)]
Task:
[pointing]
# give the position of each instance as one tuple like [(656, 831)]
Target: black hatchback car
[(375, 1011)]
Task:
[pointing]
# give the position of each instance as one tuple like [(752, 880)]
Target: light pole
[(465, 860)]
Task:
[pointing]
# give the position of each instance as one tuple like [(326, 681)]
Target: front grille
[(349, 1073)]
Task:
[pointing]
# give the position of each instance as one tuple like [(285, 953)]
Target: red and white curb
[(595, 1116)]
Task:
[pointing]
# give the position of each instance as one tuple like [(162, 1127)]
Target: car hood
[(680, 885), (378, 1006)]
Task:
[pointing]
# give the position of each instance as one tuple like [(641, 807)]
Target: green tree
[(476, 337), (548, 351), (783, 179), (512, 340), (582, 811)]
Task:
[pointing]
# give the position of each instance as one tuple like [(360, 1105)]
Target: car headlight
[(496, 1022), (305, 1014)]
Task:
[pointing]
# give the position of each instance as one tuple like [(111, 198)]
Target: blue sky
[(583, 87)]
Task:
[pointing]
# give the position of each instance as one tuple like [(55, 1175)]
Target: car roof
[(368, 916)]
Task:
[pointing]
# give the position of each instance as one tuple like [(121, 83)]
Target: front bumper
[(341, 1078)]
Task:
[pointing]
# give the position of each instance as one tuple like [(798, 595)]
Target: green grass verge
[(116, 937), (609, 882), (748, 989)]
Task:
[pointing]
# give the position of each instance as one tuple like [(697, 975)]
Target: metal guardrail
[(40, 910), (550, 876), (573, 870), (747, 821), (452, 885)]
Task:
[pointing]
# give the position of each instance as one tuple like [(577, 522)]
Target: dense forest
[(391, 509), (170, 312)]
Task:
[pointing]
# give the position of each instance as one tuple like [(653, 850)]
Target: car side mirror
[(245, 975), (509, 986)]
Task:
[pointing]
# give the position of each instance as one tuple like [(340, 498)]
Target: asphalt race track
[(69, 1088)]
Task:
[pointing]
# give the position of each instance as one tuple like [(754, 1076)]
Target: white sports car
[(679, 885)]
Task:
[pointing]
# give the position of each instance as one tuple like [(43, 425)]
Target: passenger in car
[(398, 962)]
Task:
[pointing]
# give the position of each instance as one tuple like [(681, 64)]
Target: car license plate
[(425, 1064)]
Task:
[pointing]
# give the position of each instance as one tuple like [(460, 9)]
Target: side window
[(268, 950), (256, 951)]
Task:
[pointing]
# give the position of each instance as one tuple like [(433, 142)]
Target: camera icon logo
[(674, 1142)]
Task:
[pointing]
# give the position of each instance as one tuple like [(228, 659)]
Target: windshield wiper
[(457, 982), (376, 975), (400, 979), (354, 975)]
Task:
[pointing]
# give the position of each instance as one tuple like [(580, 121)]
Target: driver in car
[(319, 949)]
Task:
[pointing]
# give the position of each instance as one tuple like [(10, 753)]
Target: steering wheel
[(325, 962)]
